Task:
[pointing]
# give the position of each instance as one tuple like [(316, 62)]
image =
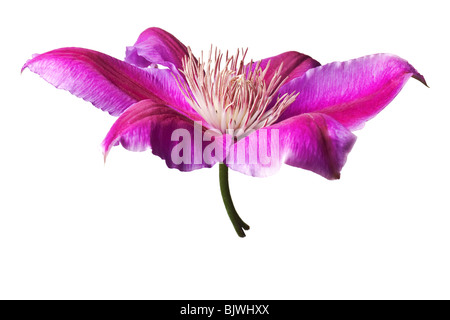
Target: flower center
[(233, 97)]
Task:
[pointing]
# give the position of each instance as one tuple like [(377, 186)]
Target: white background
[(72, 227)]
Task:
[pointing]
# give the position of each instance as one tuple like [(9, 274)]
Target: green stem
[(237, 222)]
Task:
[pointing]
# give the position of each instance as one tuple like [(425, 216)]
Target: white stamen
[(234, 96)]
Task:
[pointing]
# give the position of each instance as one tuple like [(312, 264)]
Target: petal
[(351, 92), (310, 141), (157, 46), (149, 125), (295, 64), (110, 84)]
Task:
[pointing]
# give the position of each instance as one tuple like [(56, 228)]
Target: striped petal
[(294, 65), (351, 92), (310, 141), (157, 46), (108, 83), (170, 135)]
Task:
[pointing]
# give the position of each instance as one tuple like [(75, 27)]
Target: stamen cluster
[(230, 95)]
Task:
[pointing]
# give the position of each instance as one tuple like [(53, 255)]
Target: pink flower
[(306, 109)]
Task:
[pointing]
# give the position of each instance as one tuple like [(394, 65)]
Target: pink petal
[(295, 64), (109, 84), (157, 46), (149, 125), (310, 141), (352, 92)]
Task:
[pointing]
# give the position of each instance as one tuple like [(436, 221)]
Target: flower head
[(307, 110)]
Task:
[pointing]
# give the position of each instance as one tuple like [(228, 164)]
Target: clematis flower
[(299, 112)]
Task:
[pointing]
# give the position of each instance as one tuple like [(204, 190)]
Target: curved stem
[(238, 224)]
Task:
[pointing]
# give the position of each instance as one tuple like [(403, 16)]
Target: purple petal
[(295, 64), (157, 46), (110, 84), (351, 92), (149, 125), (310, 141)]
